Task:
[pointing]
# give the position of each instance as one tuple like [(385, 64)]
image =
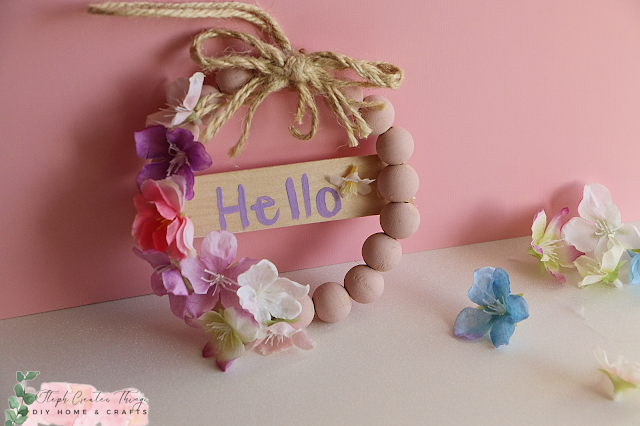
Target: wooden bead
[(398, 183), (379, 120), (399, 220), (306, 316), (365, 285), (332, 302), (381, 252), (395, 146), (230, 80)]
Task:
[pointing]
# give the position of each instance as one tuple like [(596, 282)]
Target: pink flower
[(281, 336), (160, 224)]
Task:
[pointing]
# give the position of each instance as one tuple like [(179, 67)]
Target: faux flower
[(498, 310), (183, 96), (622, 373), (232, 329), (160, 224), (599, 223), (210, 271), (634, 267), (281, 336), (351, 184), (548, 247), (602, 269), (174, 153), (268, 296)]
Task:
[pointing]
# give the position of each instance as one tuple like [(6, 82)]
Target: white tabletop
[(391, 362)]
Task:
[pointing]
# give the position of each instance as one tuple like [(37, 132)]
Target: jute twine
[(277, 67)]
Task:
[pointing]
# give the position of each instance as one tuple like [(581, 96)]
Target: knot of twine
[(277, 66)]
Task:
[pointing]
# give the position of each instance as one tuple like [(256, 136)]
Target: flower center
[(549, 248), (179, 159), (604, 228), (214, 278), (495, 306)]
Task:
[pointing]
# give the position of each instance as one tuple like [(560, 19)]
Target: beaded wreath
[(246, 305)]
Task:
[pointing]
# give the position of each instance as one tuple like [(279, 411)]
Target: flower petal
[(581, 234), (539, 225), (301, 340), (195, 88), (193, 270), (502, 329), (482, 285), (152, 143), (472, 323), (634, 268), (595, 199), (555, 226), (501, 285), (611, 258), (177, 304), (264, 272), (517, 307), (243, 324), (292, 288), (628, 236), (243, 265), (153, 171), (218, 250), (174, 283)]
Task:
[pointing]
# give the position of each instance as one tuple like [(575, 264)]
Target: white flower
[(622, 373), (599, 223), (266, 295), (183, 96), (352, 184), (603, 269)]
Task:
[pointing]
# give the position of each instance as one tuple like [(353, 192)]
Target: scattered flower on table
[(548, 247), (352, 184), (174, 152), (634, 267), (623, 374), (160, 223), (604, 268), (599, 224), (498, 311)]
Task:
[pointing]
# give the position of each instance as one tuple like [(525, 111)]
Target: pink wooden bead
[(395, 146), (306, 316), (365, 285), (230, 80), (379, 120), (332, 302), (399, 220), (398, 183), (381, 252)]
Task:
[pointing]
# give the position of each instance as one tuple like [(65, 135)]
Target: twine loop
[(276, 67)]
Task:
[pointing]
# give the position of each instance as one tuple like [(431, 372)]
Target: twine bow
[(277, 66)]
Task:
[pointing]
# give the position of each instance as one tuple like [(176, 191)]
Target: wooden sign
[(273, 197)]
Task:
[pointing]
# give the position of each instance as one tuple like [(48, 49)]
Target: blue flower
[(634, 267), (498, 310)]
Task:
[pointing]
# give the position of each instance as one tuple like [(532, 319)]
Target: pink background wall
[(514, 105)]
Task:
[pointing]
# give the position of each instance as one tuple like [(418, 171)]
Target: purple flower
[(210, 273), (175, 153), (167, 279)]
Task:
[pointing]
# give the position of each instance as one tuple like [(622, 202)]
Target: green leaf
[(24, 410), (19, 390), (19, 376), (29, 398), (32, 375), (10, 415), (21, 420), (13, 402), (8, 423)]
